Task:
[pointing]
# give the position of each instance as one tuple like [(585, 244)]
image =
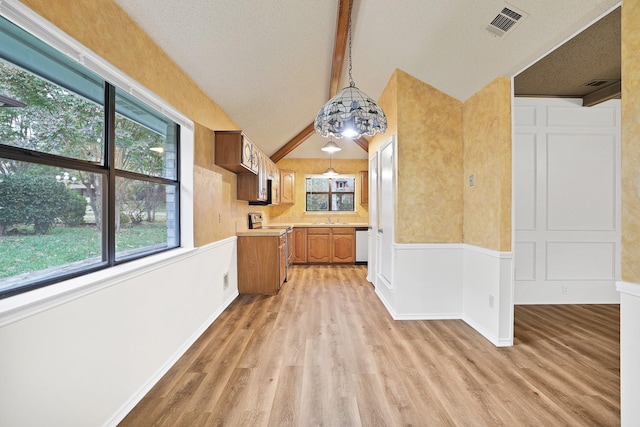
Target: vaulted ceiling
[(268, 64)]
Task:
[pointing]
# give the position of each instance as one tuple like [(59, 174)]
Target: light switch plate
[(472, 180)]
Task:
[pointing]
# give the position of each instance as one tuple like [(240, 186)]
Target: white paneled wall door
[(566, 168)]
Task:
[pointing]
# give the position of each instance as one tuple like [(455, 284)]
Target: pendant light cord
[(351, 83)]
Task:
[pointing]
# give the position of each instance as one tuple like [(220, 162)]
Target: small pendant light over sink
[(331, 147), (330, 171), (351, 113)]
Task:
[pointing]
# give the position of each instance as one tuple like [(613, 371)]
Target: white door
[(386, 212), (373, 218)]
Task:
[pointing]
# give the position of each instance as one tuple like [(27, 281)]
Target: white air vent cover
[(505, 21)]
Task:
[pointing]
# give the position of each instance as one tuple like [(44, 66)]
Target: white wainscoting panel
[(581, 182), (586, 261), (566, 168), (488, 293), (453, 281), (428, 281), (145, 322), (525, 181), (525, 260), (572, 115)]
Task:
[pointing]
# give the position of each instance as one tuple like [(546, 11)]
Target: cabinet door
[(259, 262), (364, 187), (318, 246), (247, 153), (255, 159), (343, 245), (299, 246), (287, 186)]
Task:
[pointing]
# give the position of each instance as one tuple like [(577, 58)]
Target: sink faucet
[(329, 220)]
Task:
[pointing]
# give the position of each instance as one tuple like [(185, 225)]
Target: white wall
[(89, 360), (629, 353), (566, 201)]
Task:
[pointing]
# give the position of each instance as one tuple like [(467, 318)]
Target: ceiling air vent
[(598, 83), (505, 21)]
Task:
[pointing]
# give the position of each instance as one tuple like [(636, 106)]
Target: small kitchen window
[(335, 194)]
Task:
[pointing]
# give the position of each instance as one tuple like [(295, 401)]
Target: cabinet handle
[(379, 230)]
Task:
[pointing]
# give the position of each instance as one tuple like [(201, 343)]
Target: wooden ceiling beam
[(606, 93), (339, 50), (362, 143), (339, 47), (293, 143)]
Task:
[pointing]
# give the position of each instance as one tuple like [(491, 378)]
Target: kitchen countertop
[(324, 225), (281, 228), (262, 232)]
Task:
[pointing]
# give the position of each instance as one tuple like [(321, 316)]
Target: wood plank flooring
[(325, 352)]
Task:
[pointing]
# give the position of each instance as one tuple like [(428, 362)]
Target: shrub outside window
[(335, 194), (88, 173)]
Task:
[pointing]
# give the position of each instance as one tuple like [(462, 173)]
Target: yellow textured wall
[(429, 155), (388, 101), (631, 141), (295, 213), (217, 213), (487, 156), (102, 26)]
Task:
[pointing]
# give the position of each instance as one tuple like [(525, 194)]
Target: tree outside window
[(335, 194), (88, 173)]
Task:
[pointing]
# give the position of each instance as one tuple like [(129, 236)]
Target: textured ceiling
[(268, 63), (594, 54)]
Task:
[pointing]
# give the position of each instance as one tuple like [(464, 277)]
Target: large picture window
[(88, 173), (335, 194)]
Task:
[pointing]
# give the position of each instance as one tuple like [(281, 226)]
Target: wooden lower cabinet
[(331, 245), (343, 245), (261, 264), (299, 245), (318, 245)]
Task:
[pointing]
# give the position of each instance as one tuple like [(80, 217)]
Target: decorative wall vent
[(506, 21)]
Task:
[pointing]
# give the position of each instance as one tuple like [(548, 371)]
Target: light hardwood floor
[(326, 352)]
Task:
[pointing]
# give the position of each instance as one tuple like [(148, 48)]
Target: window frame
[(24, 18), (330, 193)]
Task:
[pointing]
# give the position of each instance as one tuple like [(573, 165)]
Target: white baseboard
[(488, 335), (430, 316)]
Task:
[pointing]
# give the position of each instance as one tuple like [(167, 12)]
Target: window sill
[(17, 307)]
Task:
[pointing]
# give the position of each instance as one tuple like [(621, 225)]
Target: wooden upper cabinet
[(274, 176), (364, 187), (252, 187), (287, 186), (235, 152)]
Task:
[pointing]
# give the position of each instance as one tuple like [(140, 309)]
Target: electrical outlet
[(225, 281), (565, 289), (491, 301), (472, 180)]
